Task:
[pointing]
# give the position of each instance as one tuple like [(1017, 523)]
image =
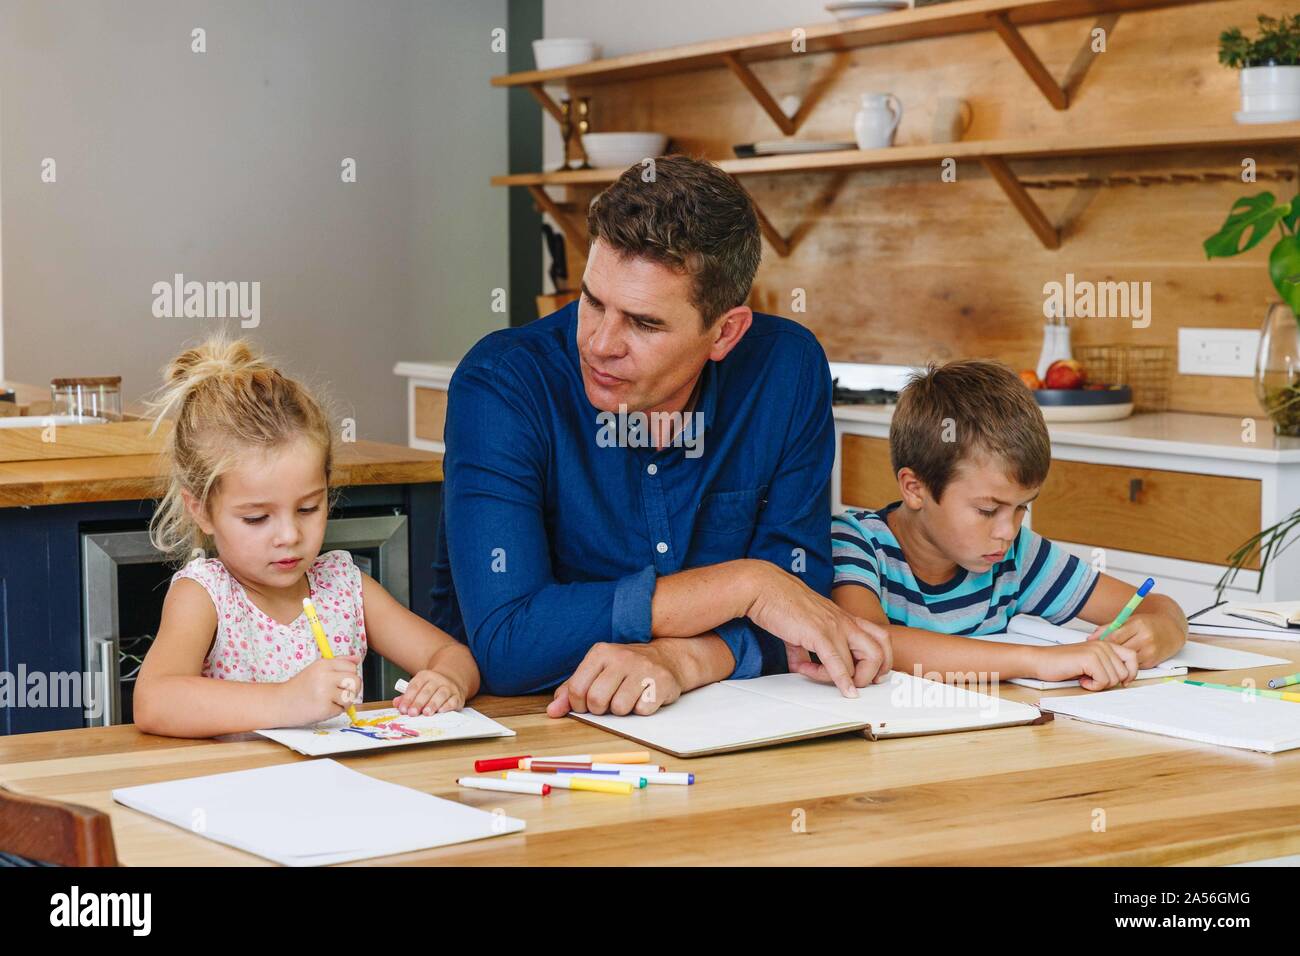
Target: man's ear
[(197, 512), (911, 488), (728, 330)]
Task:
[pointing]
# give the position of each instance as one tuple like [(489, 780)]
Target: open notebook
[(1205, 714), (1034, 631), (381, 729), (1229, 620), (742, 714), (313, 812)]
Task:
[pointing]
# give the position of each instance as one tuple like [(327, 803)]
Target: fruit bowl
[(1096, 403)]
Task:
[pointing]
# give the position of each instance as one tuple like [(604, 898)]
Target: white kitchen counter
[(1169, 433)]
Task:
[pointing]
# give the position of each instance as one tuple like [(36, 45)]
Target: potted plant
[(1277, 364), (1270, 69)]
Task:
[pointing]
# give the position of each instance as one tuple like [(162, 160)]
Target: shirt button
[(651, 469), (661, 547)]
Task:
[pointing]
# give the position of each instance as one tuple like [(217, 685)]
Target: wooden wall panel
[(903, 268)]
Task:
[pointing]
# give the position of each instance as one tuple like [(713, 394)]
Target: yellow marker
[(571, 781), (323, 643)]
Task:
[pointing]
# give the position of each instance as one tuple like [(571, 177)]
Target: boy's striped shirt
[(1035, 577)]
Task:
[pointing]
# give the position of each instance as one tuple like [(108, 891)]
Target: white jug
[(876, 122)]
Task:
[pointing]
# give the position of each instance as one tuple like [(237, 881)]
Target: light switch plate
[(1229, 352)]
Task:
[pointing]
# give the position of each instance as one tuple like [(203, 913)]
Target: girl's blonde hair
[(226, 398)]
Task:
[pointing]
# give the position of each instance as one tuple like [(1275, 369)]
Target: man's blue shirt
[(551, 540)]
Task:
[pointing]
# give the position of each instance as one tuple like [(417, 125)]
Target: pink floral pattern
[(252, 647)]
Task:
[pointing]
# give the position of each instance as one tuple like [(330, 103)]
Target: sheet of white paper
[(337, 736), (901, 705), (313, 812), (1222, 717), (1207, 657)]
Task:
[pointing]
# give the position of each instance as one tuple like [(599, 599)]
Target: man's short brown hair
[(689, 216), (949, 413)]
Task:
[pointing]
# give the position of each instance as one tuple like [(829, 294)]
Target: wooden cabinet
[(1174, 514)]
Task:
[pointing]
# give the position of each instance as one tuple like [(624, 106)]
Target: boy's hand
[(1155, 637), (429, 692), (321, 690), (1097, 664)]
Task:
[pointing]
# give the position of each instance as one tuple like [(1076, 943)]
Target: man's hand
[(1154, 637), (621, 679), (853, 652)]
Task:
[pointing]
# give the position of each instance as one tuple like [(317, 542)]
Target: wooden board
[(83, 441)]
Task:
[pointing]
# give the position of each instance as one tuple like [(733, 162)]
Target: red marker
[(498, 763)]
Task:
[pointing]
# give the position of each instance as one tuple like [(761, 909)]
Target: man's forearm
[(698, 660), (694, 602)]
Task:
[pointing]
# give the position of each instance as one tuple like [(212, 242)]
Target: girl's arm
[(174, 700), (443, 673)]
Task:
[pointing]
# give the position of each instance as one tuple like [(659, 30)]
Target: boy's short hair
[(949, 413)]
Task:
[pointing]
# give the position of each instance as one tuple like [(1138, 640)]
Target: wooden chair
[(47, 831)]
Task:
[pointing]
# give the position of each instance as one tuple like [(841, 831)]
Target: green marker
[(1287, 681), (1128, 608)]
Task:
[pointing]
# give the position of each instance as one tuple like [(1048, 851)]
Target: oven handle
[(106, 674)]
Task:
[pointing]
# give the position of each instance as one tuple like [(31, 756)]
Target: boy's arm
[(954, 657), (422, 650), (1157, 630)]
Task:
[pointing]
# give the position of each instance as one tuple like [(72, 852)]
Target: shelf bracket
[(548, 205), (777, 241), (548, 103), (1047, 234), (760, 93), (1028, 59)]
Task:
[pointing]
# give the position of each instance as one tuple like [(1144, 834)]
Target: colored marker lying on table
[(630, 756), (544, 764), (575, 782), (1128, 608), (681, 779), (505, 786), (1286, 681), (323, 643), (1274, 694)]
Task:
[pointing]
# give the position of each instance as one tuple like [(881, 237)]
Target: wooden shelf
[(1004, 17), (991, 154)]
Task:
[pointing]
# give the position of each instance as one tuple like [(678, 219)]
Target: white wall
[(226, 166)]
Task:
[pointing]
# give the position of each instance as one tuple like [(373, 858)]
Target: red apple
[(1065, 373), (1030, 378)]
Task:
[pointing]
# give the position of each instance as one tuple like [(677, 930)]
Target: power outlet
[(1229, 352)]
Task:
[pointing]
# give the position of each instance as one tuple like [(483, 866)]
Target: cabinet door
[(1173, 514), (866, 476)]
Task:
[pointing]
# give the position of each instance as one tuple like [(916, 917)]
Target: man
[(636, 498)]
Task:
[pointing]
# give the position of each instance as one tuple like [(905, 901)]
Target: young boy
[(952, 560)]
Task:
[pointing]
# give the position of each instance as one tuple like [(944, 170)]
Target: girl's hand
[(321, 690), (429, 692)]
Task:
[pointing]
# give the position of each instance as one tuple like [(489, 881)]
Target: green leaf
[(1289, 220), (1284, 270), (1255, 213)]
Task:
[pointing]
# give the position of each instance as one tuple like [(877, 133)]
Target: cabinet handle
[(1134, 489)]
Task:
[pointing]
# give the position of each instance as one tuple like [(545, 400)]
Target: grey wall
[(226, 166)]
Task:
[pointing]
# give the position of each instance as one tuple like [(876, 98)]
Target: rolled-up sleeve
[(527, 631)]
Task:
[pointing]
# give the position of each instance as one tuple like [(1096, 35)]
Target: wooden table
[(1019, 795)]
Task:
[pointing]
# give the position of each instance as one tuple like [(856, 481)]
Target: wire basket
[(1146, 369)]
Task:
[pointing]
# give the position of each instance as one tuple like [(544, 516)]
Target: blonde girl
[(250, 455)]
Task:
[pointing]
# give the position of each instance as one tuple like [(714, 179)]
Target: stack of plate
[(852, 9)]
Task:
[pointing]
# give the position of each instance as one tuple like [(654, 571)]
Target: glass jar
[(95, 397)]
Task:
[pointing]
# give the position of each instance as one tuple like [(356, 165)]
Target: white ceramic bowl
[(556, 52), (622, 149)]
